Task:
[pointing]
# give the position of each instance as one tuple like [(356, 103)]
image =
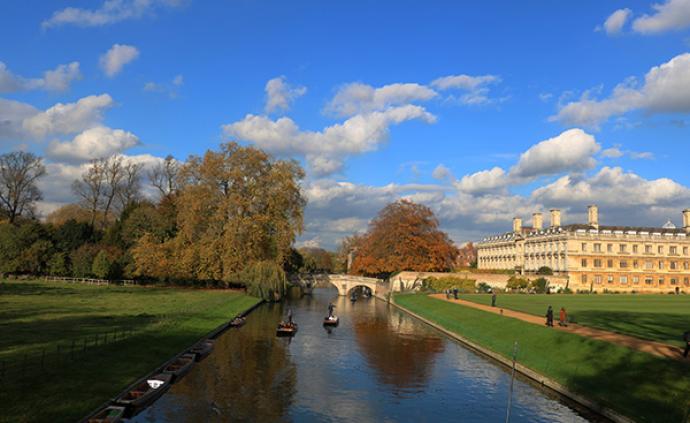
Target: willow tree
[(235, 207)]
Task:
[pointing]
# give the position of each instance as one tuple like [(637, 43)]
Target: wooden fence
[(91, 281)]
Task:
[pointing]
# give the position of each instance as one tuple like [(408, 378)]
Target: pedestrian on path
[(686, 338), (455, 293), (493, 300), (549, 316), (563, 317)]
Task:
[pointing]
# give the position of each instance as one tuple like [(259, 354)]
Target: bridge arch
[(345, 283)]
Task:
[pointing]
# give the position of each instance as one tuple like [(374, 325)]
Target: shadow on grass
[(31, 288), (660, 327)]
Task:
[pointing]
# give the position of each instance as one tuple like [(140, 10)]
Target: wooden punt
[(286, 329), (145, 393), (110, 414), (180, 367), (331, 321), (202, 349)]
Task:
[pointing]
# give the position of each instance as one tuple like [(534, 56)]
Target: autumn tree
[(164, 176), (404, 236), (19, 173)]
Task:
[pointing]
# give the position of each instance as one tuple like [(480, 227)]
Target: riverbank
[(67, 348), (643, 387)]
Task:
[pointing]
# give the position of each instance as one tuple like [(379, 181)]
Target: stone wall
[(406, 280)]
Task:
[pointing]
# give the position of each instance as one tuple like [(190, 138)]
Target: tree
[(19, 173), (544, 270), (105, 266), (69, 212), (404, 236), (539, 285), (129, 191), (316, 260), (164, 176), (90, 188)]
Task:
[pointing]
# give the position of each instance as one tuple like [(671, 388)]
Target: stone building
[(594, 257)]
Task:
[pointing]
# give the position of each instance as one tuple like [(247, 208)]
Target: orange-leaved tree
[(403, 236)]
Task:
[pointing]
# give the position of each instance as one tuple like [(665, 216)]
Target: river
[(378, 365)]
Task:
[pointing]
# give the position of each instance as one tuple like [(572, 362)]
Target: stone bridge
[(343, 283)]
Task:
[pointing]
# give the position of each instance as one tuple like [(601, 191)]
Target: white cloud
[(111, 11), (280, 94), (58, 79), (171, 89), (357, 98), (476, 88), (178, 81), (615, 153), (116, 58), (483, 181), (669, 16), (572, 150), (666, 89), (12, 114), (93, 143), (68, 118), (612, 153), (441, 172), (615, 22), (324, 150)]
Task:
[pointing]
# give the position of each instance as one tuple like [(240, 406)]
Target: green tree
[(82, 260), (539, 285), (58, 265), (544, 270), (104, 266)]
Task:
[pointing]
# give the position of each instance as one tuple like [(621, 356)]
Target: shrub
[(539, 285), (545, 270), (516, 283), (483, 287), (450, 282), (105, 266)]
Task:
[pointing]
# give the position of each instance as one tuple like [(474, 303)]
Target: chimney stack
[(593, 216), (537, 221), (517, 224), (686, 220), (555, 218)]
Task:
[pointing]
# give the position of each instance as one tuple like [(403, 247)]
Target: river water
[(378, 365)]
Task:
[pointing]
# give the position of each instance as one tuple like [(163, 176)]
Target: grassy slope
[(639, 385), (35, 316), (658, 317)]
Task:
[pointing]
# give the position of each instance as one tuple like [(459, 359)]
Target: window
[(647, 248), (672, 265), (610, 279), (597, 279), (661, 264), (635, 264), (673, 250), (597, 248), (686, 281), (584, 246), (583, 263), (648, 281), (624, 263), (635, 248), (621, 248), (660, 249), (636, 280), (686, 266), (685, 251), (648, 265), (674, 281), (609, 248), (597, 262), (583, 278), (609, 263), (623, 279), (661, 281)]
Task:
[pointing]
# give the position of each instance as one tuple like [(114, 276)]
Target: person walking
[(455, 293), (493, 300), (686, 338), (549, 317), (563, 317)]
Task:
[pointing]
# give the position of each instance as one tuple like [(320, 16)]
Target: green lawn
[(640, 385), (657, 317), (38, 317)]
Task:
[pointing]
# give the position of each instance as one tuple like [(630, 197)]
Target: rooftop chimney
[(555, 218), (537, 221), (517, 224), (686, 220), (593, 216)]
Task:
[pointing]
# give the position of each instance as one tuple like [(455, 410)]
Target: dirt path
[(650, 347)]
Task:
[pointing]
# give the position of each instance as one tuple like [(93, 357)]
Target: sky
[(480, 110)]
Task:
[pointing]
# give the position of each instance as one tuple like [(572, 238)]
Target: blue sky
[(446, 103)]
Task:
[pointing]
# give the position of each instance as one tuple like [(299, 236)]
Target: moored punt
[(146, 392), (286, 329), (237, 322), (110, 414), (331, 321), (202, 349), (180, 367)]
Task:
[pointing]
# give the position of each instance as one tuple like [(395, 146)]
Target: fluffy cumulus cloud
[(441, 172), (615, 22), (483, 181), (666, 89), (68, 118), (668, 16), (92, 143), (12, 115), (356, 98), (116, 58), (58, 79), (110, 12), (280, 94), (475, 88), (324, 150)]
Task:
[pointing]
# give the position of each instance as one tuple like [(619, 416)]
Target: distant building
[(617, 258), (467, 255)]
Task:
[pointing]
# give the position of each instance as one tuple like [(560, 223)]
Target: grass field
[(64, 377), (657, 317), (639, 385)]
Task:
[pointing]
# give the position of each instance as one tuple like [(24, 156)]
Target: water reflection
[(377, 365)]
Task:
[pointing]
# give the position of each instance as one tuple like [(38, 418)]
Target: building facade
[(594, 257)]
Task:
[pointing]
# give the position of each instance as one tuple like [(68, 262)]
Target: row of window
[(623, 248), (648, 264), (624, 279)]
